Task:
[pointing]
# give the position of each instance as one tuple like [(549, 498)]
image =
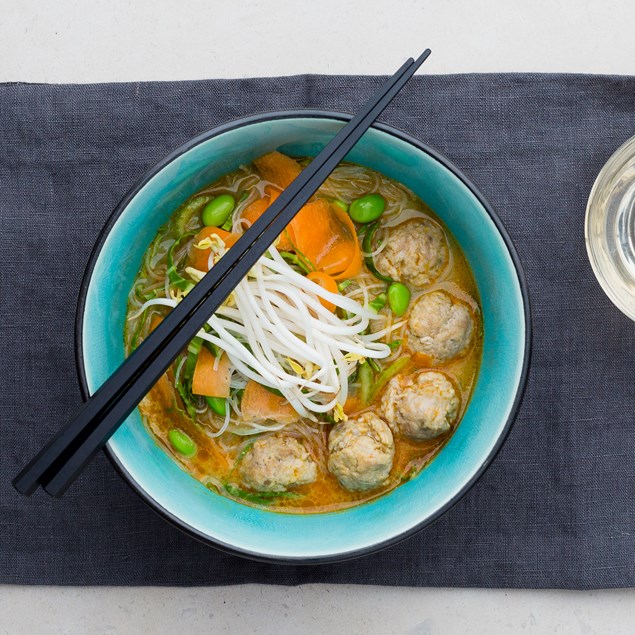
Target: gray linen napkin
[(556, 508)]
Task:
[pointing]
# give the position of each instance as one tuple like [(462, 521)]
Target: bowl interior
[(289, 536)]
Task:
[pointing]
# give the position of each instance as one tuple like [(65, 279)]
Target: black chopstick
[(64, 457)]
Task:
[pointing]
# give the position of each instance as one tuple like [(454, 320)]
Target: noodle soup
[(339, 366)]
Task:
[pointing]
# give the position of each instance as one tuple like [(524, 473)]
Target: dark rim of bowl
[(232, 125)]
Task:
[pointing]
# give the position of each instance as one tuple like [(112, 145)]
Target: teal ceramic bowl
[(315, 537)]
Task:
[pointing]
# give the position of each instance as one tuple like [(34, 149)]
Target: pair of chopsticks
[(59, 463)]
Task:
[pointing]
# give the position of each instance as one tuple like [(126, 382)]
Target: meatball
[(416, 253), (275, 463), (361, 452), (440, 326), (420, 406)]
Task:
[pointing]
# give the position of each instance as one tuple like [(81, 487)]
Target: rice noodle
[(406, 215)]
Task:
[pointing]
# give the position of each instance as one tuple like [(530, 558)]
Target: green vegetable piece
[(258, 498), (365, 377), (193, 350), (183, 382), (367, 208), (386, 375), (250, 497), (229, 223), (218, 405), (341, 204), (185, 213), (182, 443), (217, 211), (398, 298), (294, 259), (175, 278), (240, 457), (367, 246), (378, 303)]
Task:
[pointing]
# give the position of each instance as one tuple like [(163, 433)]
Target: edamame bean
[(398, 298), (182, 443), (341, 204), (218, 405), (217, 211), (367, 208)]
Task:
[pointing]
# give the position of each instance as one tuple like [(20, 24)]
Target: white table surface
[(78, 41)]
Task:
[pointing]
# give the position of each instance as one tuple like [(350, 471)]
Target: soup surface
[(339, 367)]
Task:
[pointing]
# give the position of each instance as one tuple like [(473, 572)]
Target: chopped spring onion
[(187, 210), (174, 277), (294, 259), (365, 378), (259, 498), (367, 246), (386, 375), (218, 405), (378, 303), (374, 365), (241, 456)]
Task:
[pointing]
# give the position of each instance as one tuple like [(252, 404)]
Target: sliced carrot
[(325, 235), (285, 239), (327, 283), (199, 258), (162, 389), (312, 232), (260, 403), (278, 168), (210, 381), (345, 259), (255, 210)]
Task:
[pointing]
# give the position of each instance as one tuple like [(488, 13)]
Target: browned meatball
[(275, 463), (420, 406), (361, 452), (416, 253), (440, 326)]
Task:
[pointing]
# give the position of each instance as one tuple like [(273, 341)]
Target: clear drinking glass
[(610, 228)]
